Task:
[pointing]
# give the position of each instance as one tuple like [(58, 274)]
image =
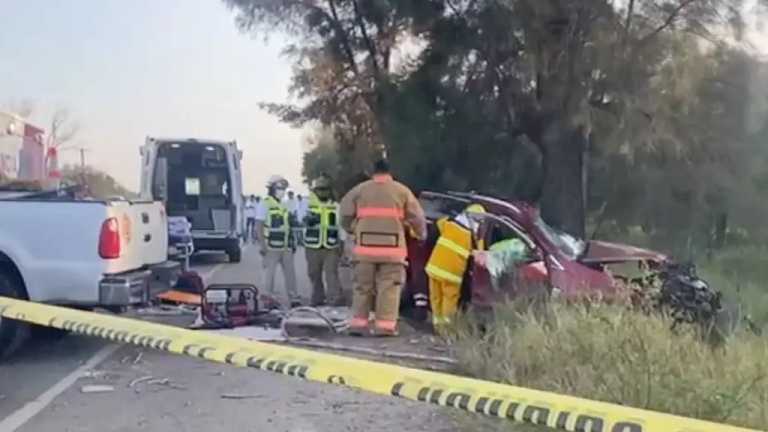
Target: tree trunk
[(563, 196), (721, 230)]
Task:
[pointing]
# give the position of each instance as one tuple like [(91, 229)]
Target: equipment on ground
[(237, 305)]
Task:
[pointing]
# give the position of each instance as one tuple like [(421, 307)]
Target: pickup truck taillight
[(109, 239)]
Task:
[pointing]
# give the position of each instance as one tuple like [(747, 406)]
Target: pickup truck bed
[(83, 253)]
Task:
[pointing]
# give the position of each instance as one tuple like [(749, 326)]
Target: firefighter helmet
[(277, 181), (475, 208)]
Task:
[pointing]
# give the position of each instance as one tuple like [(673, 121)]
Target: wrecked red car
[(570, 267)]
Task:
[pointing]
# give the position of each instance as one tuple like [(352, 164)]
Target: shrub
[(611, 354)]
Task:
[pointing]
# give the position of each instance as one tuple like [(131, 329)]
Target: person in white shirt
[(290, 203), (250, 218), (301, 212)]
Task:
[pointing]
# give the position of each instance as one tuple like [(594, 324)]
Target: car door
[(493, 278)]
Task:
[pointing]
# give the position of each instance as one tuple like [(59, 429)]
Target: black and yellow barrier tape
[(518, 404)]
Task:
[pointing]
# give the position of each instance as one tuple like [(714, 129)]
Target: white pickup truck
[(80, 253)]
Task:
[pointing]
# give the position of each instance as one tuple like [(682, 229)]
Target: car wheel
[(54, 334), (12, 333), (235, 254), (47, 333)]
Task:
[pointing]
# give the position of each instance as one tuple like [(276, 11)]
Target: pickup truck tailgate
[(144, 234)]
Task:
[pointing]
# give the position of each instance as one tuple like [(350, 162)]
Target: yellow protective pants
[(444, 300)]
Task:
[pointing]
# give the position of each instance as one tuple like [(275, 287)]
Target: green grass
[(742, 275), (611, 354)]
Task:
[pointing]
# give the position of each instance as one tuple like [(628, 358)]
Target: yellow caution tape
[(497, 400)]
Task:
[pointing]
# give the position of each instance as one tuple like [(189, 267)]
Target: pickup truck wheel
[(12, 333), (235, 254)]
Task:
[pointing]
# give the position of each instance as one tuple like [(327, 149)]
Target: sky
[(125, 69), (128, 69)]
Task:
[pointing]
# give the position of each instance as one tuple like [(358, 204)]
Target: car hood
[(606, 253)]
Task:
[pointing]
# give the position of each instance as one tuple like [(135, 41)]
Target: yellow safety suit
[(446, 267)]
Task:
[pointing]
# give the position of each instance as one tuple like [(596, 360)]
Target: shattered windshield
[(569, 245)]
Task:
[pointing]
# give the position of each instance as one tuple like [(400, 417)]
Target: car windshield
[(569, 245)]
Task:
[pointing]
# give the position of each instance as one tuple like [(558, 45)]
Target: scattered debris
[(97, 389), (93, 374), (311, 322), (241, 396), (166, 382), (167, 310), (140, 380), (341, 404), (138, 357), (253, 333)]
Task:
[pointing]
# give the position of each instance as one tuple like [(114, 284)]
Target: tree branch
[(371, 48), (628, 22), (336, 23), (668, 22)]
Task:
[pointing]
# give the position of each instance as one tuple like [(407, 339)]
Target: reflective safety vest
[(449, 258), (322, 230), (276, 227)]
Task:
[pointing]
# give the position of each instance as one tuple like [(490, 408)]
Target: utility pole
[(82, 150)]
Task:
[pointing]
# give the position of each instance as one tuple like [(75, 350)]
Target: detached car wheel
[(12, 333)]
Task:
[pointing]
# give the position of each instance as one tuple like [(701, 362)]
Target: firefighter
[(274, 230), (448, 263), (377, 213), (322, 243)]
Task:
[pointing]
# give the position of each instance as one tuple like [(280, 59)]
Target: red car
[(558, 261)]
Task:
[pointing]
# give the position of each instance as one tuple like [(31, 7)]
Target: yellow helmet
[(475, 208)]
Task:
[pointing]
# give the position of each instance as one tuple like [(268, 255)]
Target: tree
[(321, 158), (495, 84), (62, 129), (99, 184), (697, 176)]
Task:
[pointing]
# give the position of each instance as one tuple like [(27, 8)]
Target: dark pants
[(250, 229), (324, 261)]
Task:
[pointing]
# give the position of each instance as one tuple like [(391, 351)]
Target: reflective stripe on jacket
[(322, 230), (276, 227), (377, 213), (449, 258)]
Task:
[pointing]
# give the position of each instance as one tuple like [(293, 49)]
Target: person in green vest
[(322, 244), (274, 230)]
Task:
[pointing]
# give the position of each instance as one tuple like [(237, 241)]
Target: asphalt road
[(42, 388)]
